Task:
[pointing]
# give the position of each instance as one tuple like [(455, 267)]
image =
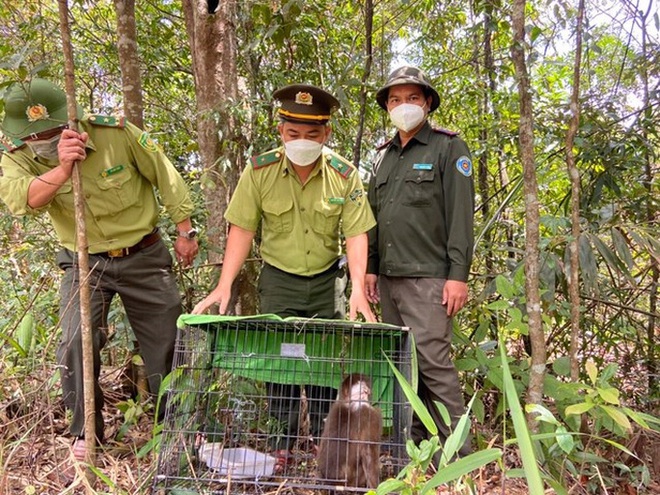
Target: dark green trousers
[(319, 296), (416, 303), (147, 288)]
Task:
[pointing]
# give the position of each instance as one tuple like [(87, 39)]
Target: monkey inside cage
[(256, 403)]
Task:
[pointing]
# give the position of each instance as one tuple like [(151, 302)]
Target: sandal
[(79, 450)]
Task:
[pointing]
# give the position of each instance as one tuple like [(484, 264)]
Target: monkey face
[(360, 392)]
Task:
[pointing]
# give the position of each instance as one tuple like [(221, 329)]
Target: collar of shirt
[(422, 136)]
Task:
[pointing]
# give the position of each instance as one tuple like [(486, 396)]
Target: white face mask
[(407, 116), (45, 148), (303, 152)]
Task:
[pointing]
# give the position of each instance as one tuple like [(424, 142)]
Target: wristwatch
[(190, 234)]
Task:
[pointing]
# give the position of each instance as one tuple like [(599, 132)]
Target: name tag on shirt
[(336, 201), (422, 166), (111, 171)]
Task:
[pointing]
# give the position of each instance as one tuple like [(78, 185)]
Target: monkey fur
[(350, 444)]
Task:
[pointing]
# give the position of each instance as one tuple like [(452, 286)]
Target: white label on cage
[(292, 350)]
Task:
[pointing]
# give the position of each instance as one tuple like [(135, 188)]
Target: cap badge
[(303, 98), (37, 112)]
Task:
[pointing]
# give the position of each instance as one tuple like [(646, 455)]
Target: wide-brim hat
[(34, 106), (305, 103), (408, 75)]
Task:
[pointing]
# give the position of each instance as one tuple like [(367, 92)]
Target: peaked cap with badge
[(408, 75), (33, 107), (306, 104)]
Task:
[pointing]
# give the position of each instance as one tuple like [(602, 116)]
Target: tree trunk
[(574, 176), (89, 403), (532, 262), (368, 52), (129, 62), (212, 38)]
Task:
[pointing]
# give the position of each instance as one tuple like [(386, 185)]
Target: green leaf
[(416, 403), (590, 366), (25, 332), (541, 413), (504, 287), (562, 366), (579, 408), (618, 416), (390, 486), (610, 395), (565, 439), (532, 471), (461, 467), (499, 305)]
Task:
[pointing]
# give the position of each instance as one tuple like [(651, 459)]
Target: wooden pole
[(83, 256)]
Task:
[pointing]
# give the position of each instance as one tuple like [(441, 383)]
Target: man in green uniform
[(302, 193), (422, 195), (120, 166)]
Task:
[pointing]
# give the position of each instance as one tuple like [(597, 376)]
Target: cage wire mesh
[(247, 399)]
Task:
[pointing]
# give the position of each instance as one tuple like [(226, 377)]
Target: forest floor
[(35, 452)]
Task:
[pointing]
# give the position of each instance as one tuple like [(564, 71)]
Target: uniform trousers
[(416, 303), (147, 288), (317, 296)]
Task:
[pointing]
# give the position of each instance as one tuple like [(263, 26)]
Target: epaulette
[(8, 144), (340, 164), (445, 131), (384, 145), (267, 158), (107, 120)]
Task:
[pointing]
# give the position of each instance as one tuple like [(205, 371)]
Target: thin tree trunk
[(83, 256), (212, 38), (129, 61), (532, 264), (574, 176), (651, 215), (368, 42)]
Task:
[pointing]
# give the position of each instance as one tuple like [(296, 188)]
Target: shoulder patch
[(340, 164), (8, 144), (267, 158), (438, 130), (107, 121)]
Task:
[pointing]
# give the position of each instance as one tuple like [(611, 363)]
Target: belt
[(146, 241), (333, 268)]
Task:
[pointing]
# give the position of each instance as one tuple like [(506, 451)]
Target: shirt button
[(306, 231), (391, 200), (401, 157), (396, 177), (389, 271), (389, 244), (302, 209), (308, 252)]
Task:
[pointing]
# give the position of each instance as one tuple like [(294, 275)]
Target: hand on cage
[(218, 296)]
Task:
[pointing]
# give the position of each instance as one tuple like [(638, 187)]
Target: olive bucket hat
[(33, 107), (408, 75)]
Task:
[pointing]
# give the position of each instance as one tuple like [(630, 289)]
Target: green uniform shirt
[(122, 167), (423, 199), (300, 223)]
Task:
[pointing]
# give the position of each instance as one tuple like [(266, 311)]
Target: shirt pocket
[(118, 191), (326, 218), (418, 188), (278, 215)]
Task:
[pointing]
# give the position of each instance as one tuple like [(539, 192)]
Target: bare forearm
[(357, 248), (44, 187)]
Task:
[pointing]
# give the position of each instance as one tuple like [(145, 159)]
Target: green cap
[(33, 107), (305, 104)]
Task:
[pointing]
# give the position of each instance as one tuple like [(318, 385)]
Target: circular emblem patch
[(37, 112), (464, 166)]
